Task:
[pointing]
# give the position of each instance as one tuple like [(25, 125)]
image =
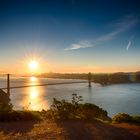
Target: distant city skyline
[(69, 36)]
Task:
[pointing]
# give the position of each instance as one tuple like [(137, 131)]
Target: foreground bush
[(20, 116), (75, 110), (123, 117)]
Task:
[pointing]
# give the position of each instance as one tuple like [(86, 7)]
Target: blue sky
[(70, 35)]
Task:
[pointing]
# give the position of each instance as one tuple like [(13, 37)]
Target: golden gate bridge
[(46, 84)]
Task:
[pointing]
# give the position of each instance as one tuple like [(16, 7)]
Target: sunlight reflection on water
[(34, 98)]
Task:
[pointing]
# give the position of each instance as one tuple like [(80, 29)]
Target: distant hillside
[(107, 78)]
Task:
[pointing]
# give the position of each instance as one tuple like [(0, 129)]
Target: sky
[(70, 36)]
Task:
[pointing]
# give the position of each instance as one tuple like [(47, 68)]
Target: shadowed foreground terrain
[(71, 130), (66, 121)]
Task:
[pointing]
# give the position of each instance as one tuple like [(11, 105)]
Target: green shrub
[(123, 117), (90, 111), (136, 119), (75, 110)]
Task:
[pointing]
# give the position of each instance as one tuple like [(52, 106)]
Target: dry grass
[(68, 130), (132, 128)]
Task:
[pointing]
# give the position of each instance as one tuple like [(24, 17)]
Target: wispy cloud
[(120, 27), (81, 44), (128, 45)]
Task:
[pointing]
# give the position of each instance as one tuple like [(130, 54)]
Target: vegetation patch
[(5, 104), (123, 117), (62, 109), (20, 116)]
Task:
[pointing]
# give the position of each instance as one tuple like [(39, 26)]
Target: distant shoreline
[(102, 78)]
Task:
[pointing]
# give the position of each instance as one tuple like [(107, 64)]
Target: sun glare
[(33, 79), (33, 65), (34, 94)]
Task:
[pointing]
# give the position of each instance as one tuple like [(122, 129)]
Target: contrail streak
[(128, 45)]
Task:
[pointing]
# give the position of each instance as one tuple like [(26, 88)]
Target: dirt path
[(68, 130)]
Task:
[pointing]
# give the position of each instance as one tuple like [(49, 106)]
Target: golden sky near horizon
[(45, 68)]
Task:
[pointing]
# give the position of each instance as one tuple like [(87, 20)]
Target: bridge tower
[(8, 84), (89, 79)]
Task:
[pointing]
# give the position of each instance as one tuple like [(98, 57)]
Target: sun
[(33, 65)]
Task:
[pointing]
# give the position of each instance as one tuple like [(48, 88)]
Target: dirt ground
[(68, 130)]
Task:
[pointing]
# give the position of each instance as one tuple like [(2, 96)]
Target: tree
[(5, 104)]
